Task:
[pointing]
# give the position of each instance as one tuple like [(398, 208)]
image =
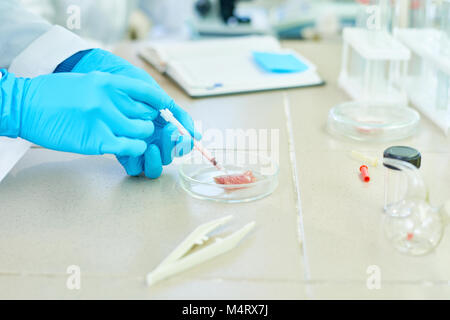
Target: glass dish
[(197, 176), (378, 123)]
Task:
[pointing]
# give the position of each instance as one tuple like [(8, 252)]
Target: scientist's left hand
[(166, 142)]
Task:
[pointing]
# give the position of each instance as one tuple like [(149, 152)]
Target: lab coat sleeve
[(29, 47), (45, 53), (18, 28)]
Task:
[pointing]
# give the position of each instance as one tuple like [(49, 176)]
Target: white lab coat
[(29, 46)]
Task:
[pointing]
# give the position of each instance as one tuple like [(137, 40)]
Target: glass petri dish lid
[(197, 176), (364, 122)]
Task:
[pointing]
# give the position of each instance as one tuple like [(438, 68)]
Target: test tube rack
[(374, 65), (428, 80)]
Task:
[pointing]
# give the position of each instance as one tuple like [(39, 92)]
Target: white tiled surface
[(61, 209)]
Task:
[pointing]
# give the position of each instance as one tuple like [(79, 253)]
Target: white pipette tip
[(167, 115)]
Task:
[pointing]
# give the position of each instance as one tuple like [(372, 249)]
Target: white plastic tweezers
[(179, 260)]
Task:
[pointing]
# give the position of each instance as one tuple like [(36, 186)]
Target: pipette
[(167, 115)]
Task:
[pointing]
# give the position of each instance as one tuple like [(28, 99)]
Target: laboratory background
[(315, 162)]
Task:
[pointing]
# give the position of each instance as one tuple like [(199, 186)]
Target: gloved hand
[(166, 142), (93, 113)]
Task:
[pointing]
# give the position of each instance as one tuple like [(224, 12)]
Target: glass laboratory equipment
[(412, 13), (197, 176), (428, 79), (374, 68), (373, 61), (411, 224), (395, 181)]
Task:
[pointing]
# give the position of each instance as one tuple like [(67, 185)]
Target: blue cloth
[(279, 63)]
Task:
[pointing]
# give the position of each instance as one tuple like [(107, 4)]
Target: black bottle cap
[(403, 153)]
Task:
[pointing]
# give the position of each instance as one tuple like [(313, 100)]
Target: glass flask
[(410, 224)]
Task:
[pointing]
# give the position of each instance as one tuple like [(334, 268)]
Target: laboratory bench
[(316, 236)]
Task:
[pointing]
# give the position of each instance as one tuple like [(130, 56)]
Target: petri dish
[(377, 123), (197, 176)]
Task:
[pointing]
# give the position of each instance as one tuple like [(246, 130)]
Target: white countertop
[(61, 209)]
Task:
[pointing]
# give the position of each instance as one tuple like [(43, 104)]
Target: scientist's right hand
[(96, 113)]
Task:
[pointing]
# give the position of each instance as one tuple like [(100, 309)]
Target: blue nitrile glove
[(94, 113), (165, 144), (166, 137)]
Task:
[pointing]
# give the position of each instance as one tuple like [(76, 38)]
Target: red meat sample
[(246, 177)]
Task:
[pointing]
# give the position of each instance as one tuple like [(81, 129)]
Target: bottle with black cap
[(396, 183)]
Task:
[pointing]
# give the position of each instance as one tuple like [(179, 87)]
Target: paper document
[(224, 66)]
